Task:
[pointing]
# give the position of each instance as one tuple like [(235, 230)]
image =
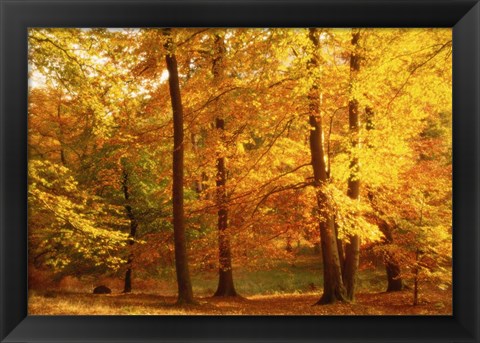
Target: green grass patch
[(304, 275)]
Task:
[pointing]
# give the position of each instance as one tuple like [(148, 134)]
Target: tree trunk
[(341, 252), (352, 248), (63, 158), (133, 231), (352, 257), (394, 281), (288, 245), (333, 289), (197, 183), (185, 293), (415, 281), (225, 274)]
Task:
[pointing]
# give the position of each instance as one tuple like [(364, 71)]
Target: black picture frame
[(16, 16)]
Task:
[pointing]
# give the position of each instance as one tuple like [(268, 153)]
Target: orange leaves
[(99, 102)]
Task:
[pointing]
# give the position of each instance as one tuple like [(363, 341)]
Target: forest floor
[(432, 302), (279, 288)]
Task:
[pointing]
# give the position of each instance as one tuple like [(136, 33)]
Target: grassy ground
[(303, 275), (287, 288)]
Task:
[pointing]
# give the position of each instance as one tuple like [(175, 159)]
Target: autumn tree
[(408, 102), (75, 86), (72, 231), (133, 229), (225, 282), (333, 288), (352, 247), (185, 293)]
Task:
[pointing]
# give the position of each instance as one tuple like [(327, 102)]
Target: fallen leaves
[(434, 302)]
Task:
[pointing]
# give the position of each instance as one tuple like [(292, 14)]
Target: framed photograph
[(239, 171)]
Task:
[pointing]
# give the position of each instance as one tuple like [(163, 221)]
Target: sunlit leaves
[(99, 104), (79, 225)]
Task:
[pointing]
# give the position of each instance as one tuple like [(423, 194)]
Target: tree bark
[(225, 275), (133, 231), (415, 280), (185, 293), (333, 289), (63, 158), (394, 281), (341, 251), (392, 267), (197, 183), (352, 247), (226, 286)]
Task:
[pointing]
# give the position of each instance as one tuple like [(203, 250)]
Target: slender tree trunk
[(288, 246), (415, 280), (341, 252), (333, 289), (185, 293), (392, 267), (197, 183), (200, 183), (63, 158), (226, 286), (133, 231), (352, 247), (369, 119)]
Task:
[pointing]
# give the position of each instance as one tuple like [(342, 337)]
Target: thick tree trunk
[(395, 282), (133, 231), (352, 248), (333, 289), (185, 293), (225, 274)]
